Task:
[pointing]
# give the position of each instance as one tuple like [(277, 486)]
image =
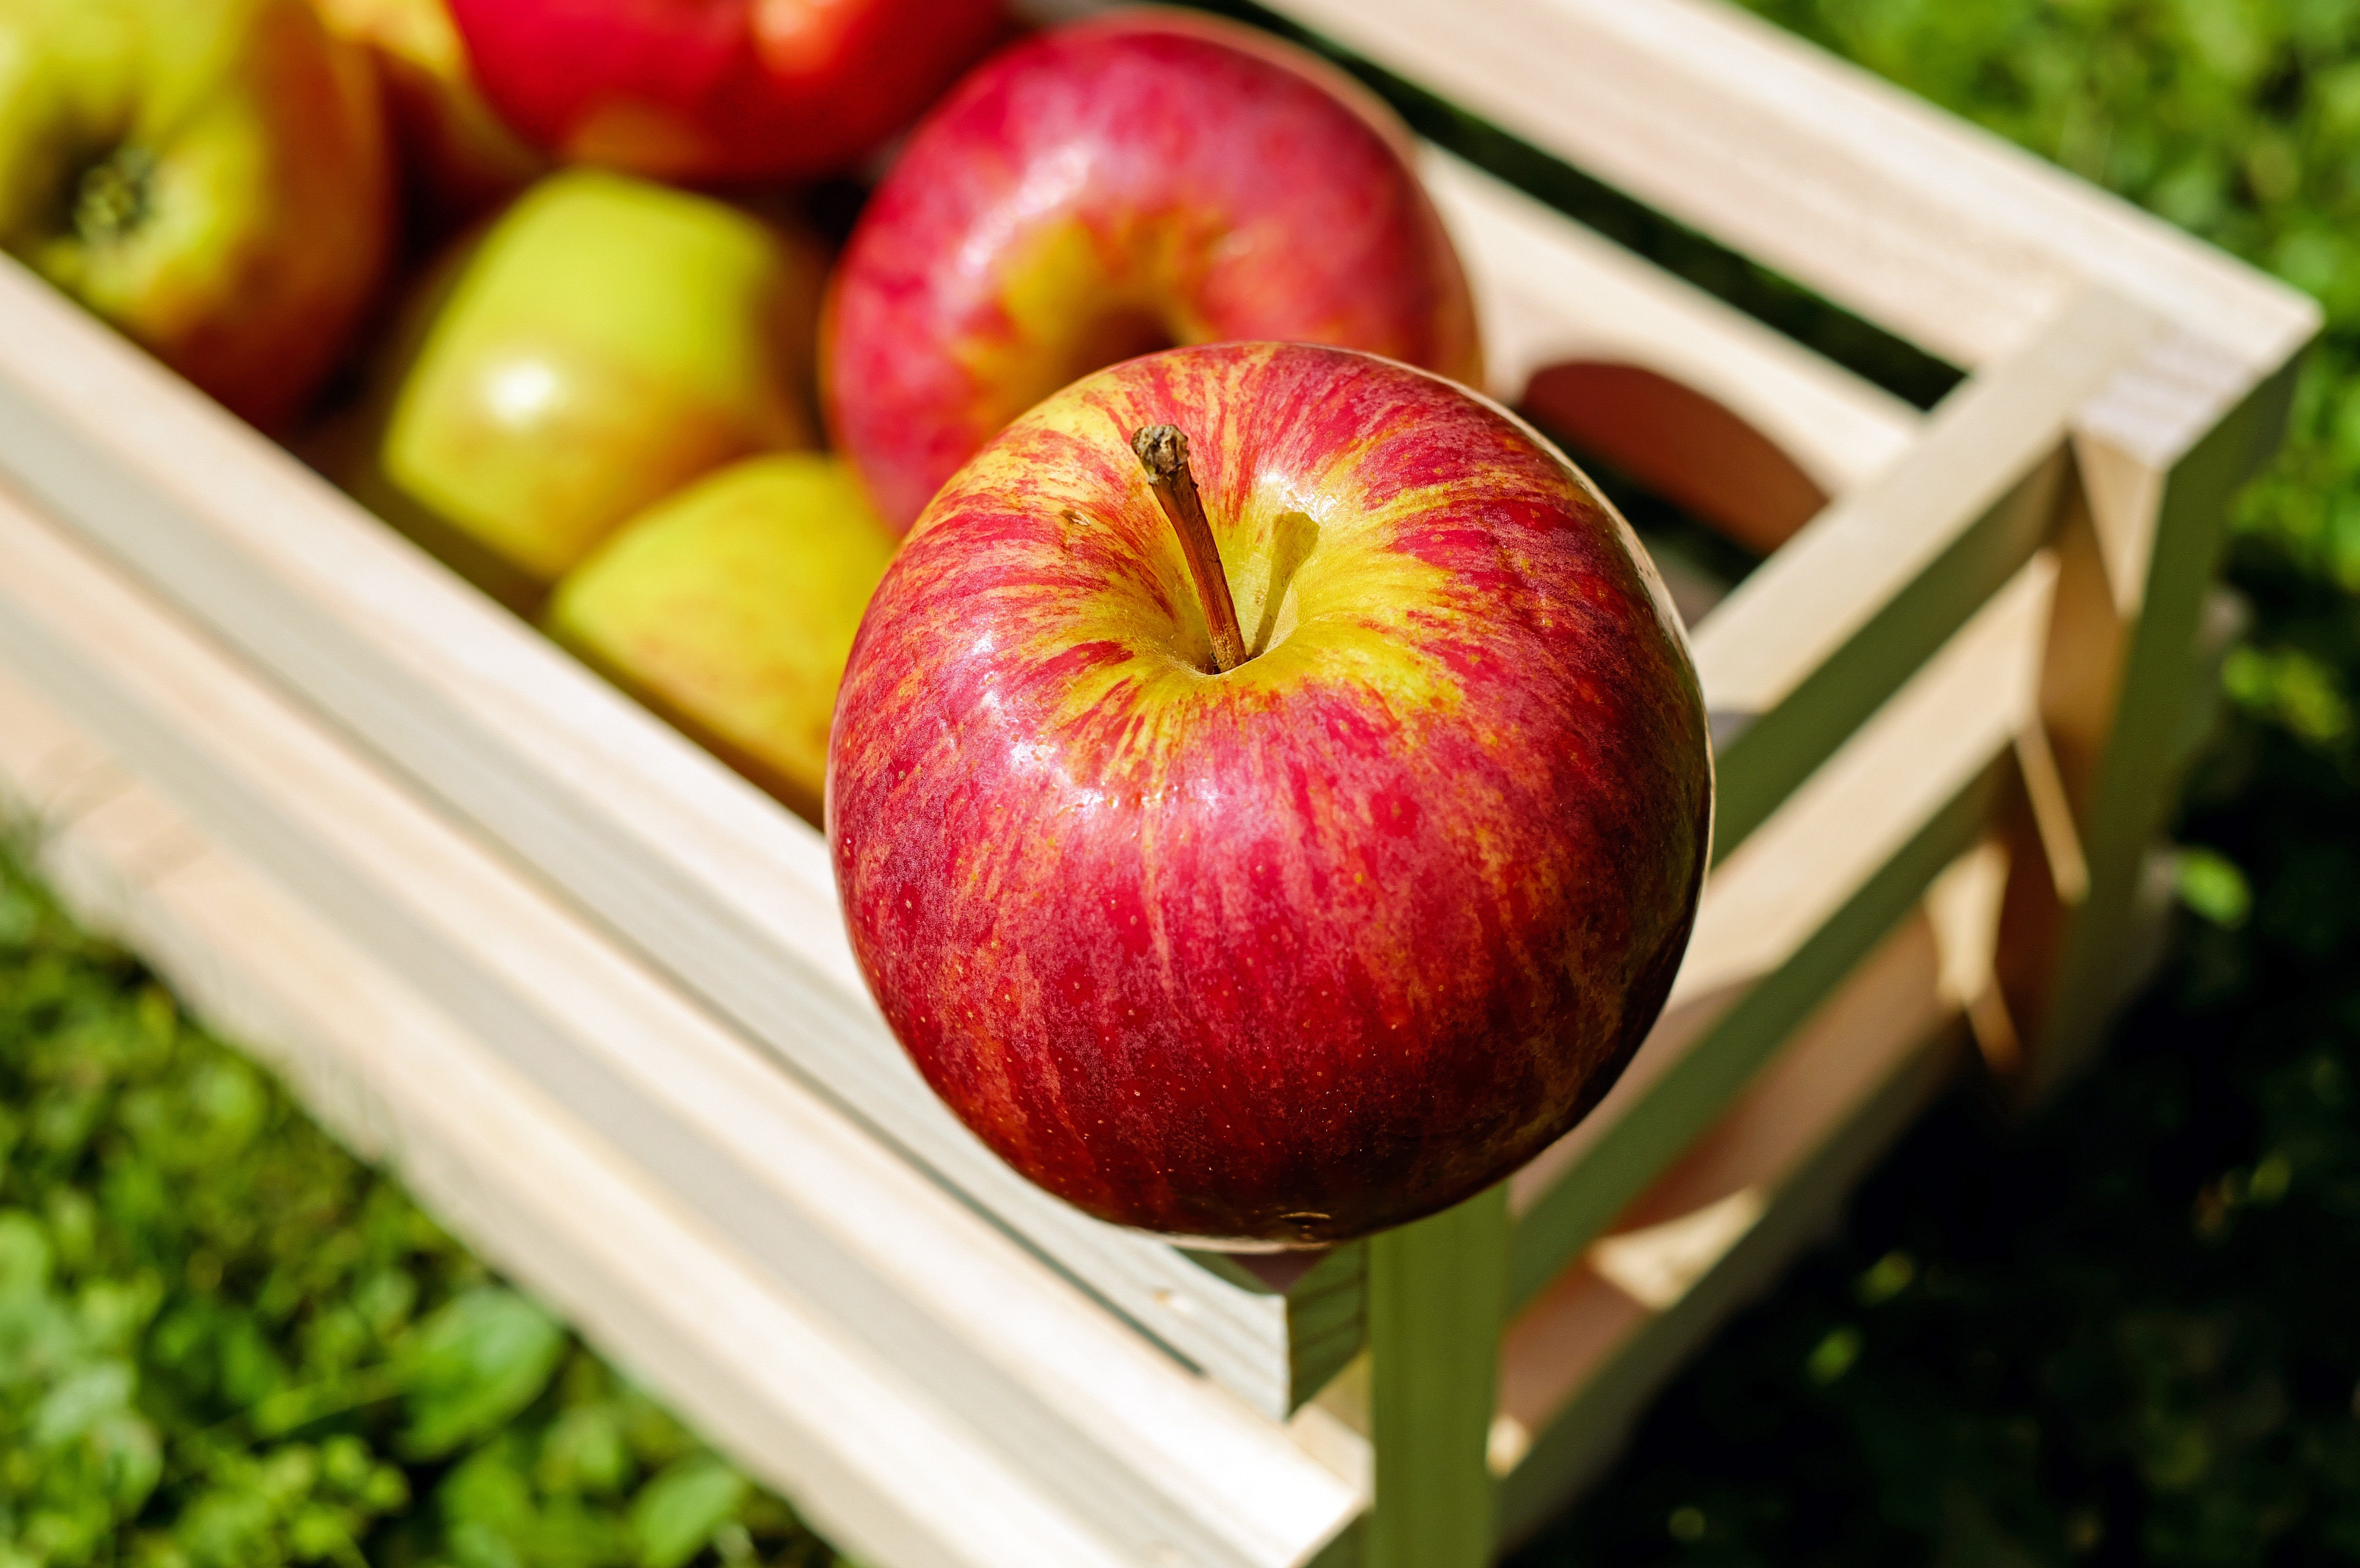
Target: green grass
[(225, 1343)]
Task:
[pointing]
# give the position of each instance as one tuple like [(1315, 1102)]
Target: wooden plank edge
[(1435, 1312), (1812, 642), (2121, 743), (1932, 226), (1549, 291), (1147, 1452)]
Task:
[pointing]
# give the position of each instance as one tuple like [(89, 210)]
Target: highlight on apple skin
[(720, 90), (1111, 188), (1282, 956), (601, 343)]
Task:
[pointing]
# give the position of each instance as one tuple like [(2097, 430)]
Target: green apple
[(210, 176), (730, 608), (599, 344)]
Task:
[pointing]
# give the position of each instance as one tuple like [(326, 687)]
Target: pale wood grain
[(1580, 1363), (1807, 646), (793, 1402), (1791, 912), (1435, 1291), (1549, 291), (2163, 461), (1941, 232)]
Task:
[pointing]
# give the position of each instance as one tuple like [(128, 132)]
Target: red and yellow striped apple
[(720, 90), (1285, 953), (1107, 188)]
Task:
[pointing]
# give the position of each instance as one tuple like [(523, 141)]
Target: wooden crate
[(591, 991)]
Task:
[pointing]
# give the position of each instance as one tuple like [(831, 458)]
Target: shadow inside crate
[(1708, 494)]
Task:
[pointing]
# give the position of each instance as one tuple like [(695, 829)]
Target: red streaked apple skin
[(1112, 187), (1283, 955), (720, 90)]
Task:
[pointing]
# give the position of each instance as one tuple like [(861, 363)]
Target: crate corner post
[(1437, 1294)]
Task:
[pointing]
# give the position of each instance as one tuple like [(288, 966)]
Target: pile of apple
[(1267, 782)]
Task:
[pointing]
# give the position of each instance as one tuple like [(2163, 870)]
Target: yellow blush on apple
[(730, 607)]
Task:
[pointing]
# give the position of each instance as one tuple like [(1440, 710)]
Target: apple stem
[(1163, 450)]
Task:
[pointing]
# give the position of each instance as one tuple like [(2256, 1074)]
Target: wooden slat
[(1791, 913), (1823, 632), (1139, 1454), (1941, 232), (698, 869), (2158, 461), (1549, 291)]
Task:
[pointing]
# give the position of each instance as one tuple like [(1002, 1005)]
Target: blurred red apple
[(1109, 188), (1282, 953), (720, 90), (210, 176), (457, 152)]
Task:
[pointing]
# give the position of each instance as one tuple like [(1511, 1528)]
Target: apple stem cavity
[(112, 197), (1163, 450)]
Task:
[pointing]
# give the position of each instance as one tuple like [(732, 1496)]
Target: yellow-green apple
[(459, 154), (210, 176), (1113, 187), (602, 343), (729, 608), (720, 90), (1284, 953)]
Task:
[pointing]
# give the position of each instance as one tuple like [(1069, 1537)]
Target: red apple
[(706, 89), (1320, 943), (1111, 188)]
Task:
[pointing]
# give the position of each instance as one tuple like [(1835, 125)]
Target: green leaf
[(585, 1451), (2211, 884), (129, 1458), (80, 1401), (472, 1365), (227, 1526), (676, 1513), (25, 1257)]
